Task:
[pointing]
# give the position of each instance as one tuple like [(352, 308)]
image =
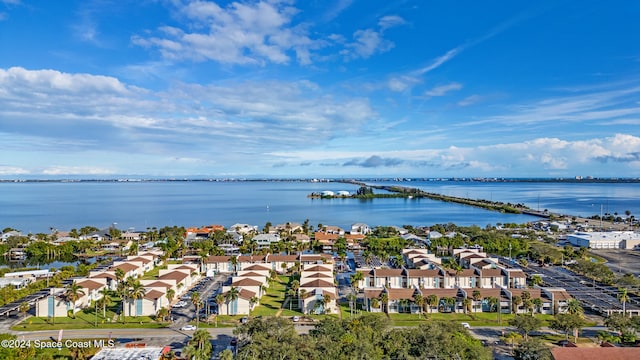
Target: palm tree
[(466, 304), (195, 299), (623, 296), (375, 303), (231, 296), (170, 294), (418, 299), (516, 301), (432, 300), (326, 299), (384, 299), (105, 301), (73, 292), (537, 303), (162, 314), (253, 301), (355, 280), (536, 280), (574, 307), (24, 307), (234, 263), (136, 291), (199, 347), (477, 296)]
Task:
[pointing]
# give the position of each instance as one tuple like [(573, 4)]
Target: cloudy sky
[(319, 88)]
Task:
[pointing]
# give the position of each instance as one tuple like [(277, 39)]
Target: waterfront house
[(264, 241), (360, 228)]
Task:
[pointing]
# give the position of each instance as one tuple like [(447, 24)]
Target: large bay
[(38, 206)]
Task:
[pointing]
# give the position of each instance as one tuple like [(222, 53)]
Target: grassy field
[(272, 301), (85, 320)]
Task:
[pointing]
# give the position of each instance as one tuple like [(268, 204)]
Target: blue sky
[(317, 88)]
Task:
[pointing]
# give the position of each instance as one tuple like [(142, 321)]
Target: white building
[(605, 240)]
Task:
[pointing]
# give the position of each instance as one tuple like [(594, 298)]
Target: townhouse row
[(477, 284), (177, 277), (316, 293)]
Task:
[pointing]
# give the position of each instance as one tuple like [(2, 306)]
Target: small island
[(393, 191)]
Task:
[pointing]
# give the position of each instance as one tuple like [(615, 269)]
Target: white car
[(295, 318), (188, 328), (466, 325)]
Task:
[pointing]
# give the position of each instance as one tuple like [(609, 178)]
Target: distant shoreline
[(612, 180)]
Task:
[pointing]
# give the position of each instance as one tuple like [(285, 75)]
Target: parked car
[(466, 325), (188, 328), (295, 318)]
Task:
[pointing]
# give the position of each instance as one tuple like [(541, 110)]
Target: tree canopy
[(364, 337)]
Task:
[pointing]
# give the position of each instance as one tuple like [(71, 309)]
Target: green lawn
[(85, 321), (272, 301)]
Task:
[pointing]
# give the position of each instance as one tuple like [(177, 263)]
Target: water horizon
[(36, 207)]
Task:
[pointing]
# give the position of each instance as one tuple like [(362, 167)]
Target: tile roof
[(535, 293), (423, 272), (490, 272), (286, 258), (398, 294), (318, 275), (252, 274), (217, 259), (141, 259), (91, 285), (246, 294), (387, 272), (126, 267), (372, 293), (174, 275), (252, 258), (104, 275), (256, 267), (484, 293), (317, 283), (246, 282), (153, 295), (159, 284), (439, 292)]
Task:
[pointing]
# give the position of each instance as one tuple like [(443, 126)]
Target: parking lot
[(592, 295)]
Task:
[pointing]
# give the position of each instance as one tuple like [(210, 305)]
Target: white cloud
[(387, 22), (367, 43), (535, 157), (443, 89), (241, 33), (85, 111), (470, 100), (76, 170), (13, 170)]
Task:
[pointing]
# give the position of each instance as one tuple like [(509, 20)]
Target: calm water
[(36, 207)]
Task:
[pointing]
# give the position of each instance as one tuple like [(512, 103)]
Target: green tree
[(574, 307), (623, 296), (567, 323), (432, 301), (197, 302), (104, 301), (525, 324), (24, 308), (135, 291), (419, 301), (72, 293), (199, 347), (231, 296), (532, 349)]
